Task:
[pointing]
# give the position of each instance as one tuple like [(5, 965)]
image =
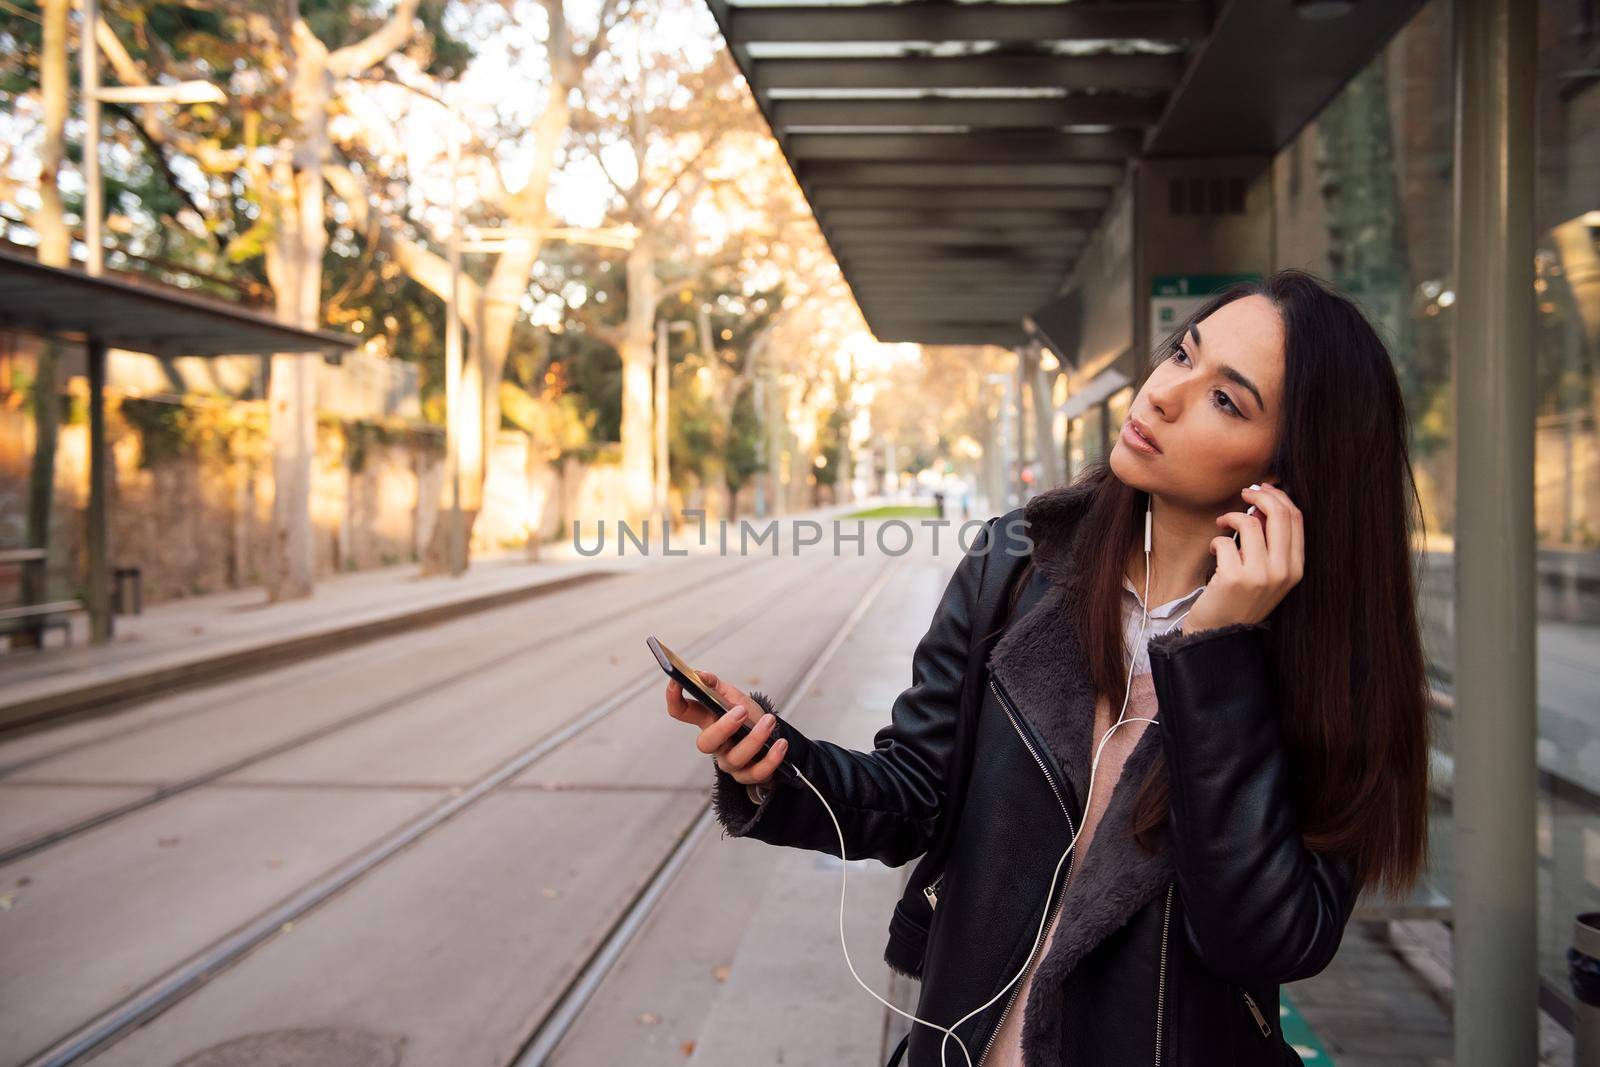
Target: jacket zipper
[(1261, 1020), (1062, 899), (1161, 984)]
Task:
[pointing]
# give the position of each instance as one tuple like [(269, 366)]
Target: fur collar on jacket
[(1041, 664)]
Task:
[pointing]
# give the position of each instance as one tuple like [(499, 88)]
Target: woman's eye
[(1218, 397)]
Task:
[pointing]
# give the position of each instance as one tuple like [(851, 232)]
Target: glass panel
[(1566, 475), (1363, 197)]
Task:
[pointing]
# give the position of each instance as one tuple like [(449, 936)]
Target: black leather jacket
[(1166, 958)]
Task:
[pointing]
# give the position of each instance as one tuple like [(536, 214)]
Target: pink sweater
[(1007, 1048)]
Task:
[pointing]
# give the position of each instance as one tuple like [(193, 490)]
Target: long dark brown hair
[(1344, 642)]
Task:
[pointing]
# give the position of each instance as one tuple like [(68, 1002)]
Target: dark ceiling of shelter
[(958, 155), (143, 318)]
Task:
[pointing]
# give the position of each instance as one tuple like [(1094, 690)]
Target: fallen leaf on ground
[(721, 973), (649, 1018)]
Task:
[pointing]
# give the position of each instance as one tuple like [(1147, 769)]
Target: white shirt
[(1167, 617)]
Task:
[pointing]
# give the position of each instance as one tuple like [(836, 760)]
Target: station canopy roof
[(160, 320), (959, 155)]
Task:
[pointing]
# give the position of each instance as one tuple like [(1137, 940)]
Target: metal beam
[(1004, 334), (1080, 221), (989, 71), (954, 256), (1022, 146), (825, 193), (143, 317), (1102, 175), (957, 302), (1025, 298), (1012, 112), (966, 22), (847, 236), (1263, 72), (978, 311), (1025, 293), (952, 271)]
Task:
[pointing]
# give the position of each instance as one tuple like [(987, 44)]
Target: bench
[(40, 617)]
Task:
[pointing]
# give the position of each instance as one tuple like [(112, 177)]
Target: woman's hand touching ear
[(1253, 576)]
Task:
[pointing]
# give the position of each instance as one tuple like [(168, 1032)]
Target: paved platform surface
[(1385, 1001)]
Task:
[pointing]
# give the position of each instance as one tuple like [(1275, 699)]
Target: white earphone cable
[(949, 1031)]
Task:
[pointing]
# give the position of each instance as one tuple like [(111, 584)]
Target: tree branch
[(428, 269), (610, 15), (692, 162), (210, 156), (354, 58), (164, 165)]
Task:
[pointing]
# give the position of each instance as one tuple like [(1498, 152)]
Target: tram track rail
[(166, 791), (181, 980), (568, 1008)]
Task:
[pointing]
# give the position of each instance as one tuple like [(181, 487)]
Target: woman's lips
[(1137, 442)]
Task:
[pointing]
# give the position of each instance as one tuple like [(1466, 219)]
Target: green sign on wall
[(1174, 297)]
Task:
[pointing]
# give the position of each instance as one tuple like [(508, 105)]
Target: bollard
[(1583, 971)]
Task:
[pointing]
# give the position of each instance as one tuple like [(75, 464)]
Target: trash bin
[(128, 578), (1583, 971)]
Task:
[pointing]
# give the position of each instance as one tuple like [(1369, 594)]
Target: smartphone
[(686, 676)]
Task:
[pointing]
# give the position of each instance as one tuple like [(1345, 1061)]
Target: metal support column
[(99, 513), (1496, 725)]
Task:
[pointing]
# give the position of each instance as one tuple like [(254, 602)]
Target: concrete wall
[(200, 521)]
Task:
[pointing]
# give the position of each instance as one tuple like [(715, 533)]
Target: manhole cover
[(302, 1048)]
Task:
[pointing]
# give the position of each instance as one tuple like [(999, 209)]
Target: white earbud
[(1127, 689)]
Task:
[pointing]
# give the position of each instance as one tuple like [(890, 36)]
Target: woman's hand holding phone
[(1255, 574), (718, 733)]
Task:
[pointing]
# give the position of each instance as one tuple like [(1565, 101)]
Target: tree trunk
[(638, 355), (300, 243)]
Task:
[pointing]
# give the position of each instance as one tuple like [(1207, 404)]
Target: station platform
[(182, 642)]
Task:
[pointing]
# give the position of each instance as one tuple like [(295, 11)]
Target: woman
[(1225, 844)]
